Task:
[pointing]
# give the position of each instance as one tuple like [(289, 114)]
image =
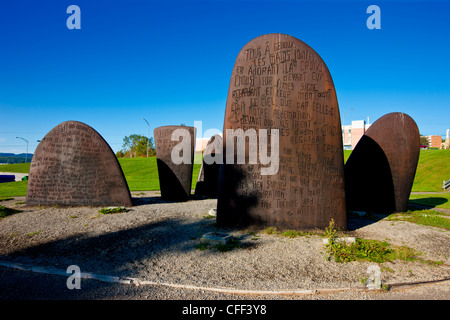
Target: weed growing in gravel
[(270, 230), (288, 233), (369, 250), (4, 211), (112, 210), (202, 246), (332, 231), (295, 233), (33, 233)]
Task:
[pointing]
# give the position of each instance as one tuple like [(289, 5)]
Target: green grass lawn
[(16, 167), (346, 155), (13, 189), (424, 217), (433, 168), (142, 175), (441, 200)]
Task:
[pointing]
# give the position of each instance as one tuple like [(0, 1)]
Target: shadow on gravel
[(119, 253), (140, 201), (123, 253), (356, 221)]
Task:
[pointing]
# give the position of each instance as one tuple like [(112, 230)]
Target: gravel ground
[(156, 241)]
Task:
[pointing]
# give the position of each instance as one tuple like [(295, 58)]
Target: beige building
[(352, 133), (200, 144)]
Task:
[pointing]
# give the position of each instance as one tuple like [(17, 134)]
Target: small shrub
[(331, 231)]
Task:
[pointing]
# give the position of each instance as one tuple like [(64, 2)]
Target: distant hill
[(15, 158)]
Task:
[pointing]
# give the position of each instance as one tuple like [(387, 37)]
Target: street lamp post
[(26, 154), (345, 113), (148, 136)]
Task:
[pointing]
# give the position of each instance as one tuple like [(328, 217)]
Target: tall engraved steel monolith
[(73, 165), (175, 147), (380, 171), (208, 177), (281, 91)]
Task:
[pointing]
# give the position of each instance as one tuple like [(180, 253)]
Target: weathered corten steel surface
[(279, 82), (174, 179), (208, 177), (73, 165), (379, 173)]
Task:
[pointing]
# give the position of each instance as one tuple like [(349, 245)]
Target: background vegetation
[(135, 146)]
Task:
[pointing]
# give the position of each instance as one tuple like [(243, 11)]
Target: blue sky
[(171, 61)]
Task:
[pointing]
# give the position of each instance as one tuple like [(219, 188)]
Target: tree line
[(135, 146)]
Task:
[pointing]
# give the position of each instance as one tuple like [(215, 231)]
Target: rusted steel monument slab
[(282, 85), (208, 177), (175, 147), (73, 165), (380, 171)]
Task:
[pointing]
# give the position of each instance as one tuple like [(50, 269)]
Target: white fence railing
[(446, 184)]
